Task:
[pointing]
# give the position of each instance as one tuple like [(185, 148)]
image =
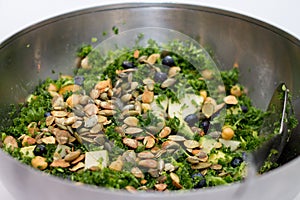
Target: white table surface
[(16, 15)]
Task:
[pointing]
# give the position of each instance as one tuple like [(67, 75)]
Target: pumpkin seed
[(130, 142), (91, 121), (230, 99), (176, 138), (78, 166), (193, 159), (10, 142), (131, 121), (169, 167), (148, 163), (173, 71), (90, 109), (60, 163), (145, 155), (165, 132), (167, 83), (56, 113), (208, 109), (149, 142), (160, 186), (48, 140), (133, 130), (137, 172), (201, 165), (116, 165), (153, 58), (72, 156), (147, 96), (126, 97), (191, 144)]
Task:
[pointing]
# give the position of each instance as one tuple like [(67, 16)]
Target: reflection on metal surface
[(255, 45)]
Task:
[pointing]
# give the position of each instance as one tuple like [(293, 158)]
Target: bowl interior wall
[(265, 55)]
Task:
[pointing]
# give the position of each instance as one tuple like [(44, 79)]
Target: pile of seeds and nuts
[(145, 124)]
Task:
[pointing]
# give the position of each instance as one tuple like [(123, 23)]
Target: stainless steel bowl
[(265, 54)]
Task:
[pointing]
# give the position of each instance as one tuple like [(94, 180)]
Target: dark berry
[(47, 114), (168, 60), (205, 125), (160, 77), (237, 161), (199, 180), (191, 119), (78, 80), (127, 64), (244, 109), (40, 150)]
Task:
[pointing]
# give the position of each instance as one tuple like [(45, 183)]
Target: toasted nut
[(230, 99), (103, 84), (149, 142), (78, 166), (208, 109), (48, 140), (77, 160), (72, 155), (227, 133), (52, 87), (153, 58), (207, 74), (39, 162), (116, 165), (201, 165), (85, 63), (173, 71), (175, 180), (236, 91), (147, 96), (27, 141), (130, 188), (69, 88), (216, 167), (136, 54), (165, 132), (130, 142), (10, 142), (149, 163), (131, 121), (60, 163), (137, 172), (160, 186)]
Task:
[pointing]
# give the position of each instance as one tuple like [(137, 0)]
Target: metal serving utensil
[(276, 135)]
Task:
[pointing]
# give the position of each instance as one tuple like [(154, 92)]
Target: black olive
[(160, 77), (199, 180), (127, 64), (47, 114), (205, 125), (237, 161), (168, 60), (78, 80), (191, 119), (40, 150), (244, 109)]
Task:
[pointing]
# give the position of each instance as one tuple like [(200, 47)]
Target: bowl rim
[(132, 5), (218, 11)]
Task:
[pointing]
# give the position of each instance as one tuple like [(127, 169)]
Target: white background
[(16, 15)]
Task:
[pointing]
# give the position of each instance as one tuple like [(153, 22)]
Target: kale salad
[(144, 119)]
